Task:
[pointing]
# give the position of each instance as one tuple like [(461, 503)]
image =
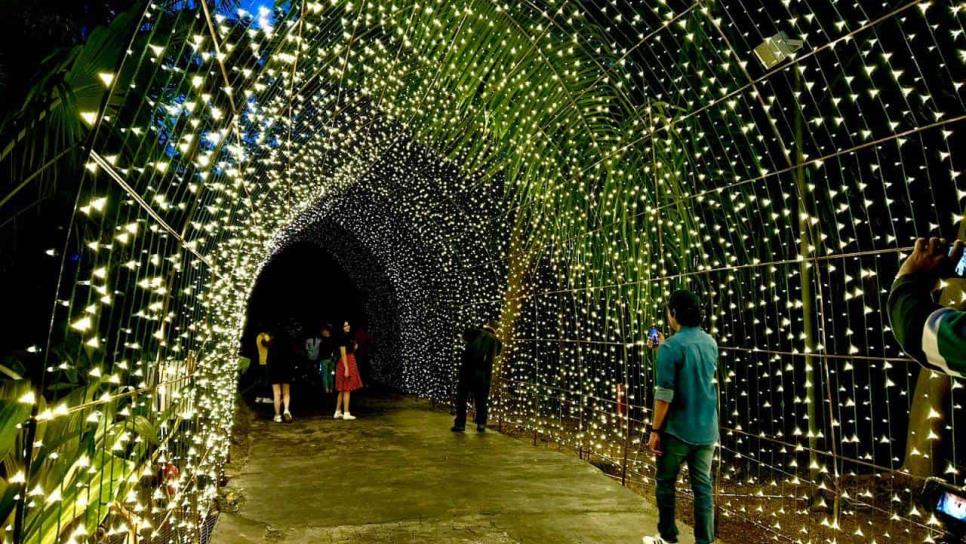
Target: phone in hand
[(959, 269), (653, 336)]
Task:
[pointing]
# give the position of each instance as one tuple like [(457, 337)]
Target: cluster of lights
[(563, 165)]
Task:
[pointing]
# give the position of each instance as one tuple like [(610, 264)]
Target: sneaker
[(481, 428), (278, 419), (287, 416), (347, 415), (338, 415), (657, 540), (458, 429)]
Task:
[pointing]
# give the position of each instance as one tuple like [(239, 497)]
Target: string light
[(561, 165)]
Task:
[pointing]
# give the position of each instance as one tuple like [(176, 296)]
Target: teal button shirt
[(686, 366)]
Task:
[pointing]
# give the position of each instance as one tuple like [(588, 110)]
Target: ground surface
[(398, 475)]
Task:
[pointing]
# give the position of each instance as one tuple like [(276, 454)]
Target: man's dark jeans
[(480, 389), (676, 453)]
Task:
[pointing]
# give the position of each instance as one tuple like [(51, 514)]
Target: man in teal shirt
[(685, 423)]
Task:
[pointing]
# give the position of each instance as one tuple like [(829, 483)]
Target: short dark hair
[(685, 306)]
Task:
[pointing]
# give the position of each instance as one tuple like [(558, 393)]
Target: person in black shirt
[(282, 353), (482, 347), (347, 378)]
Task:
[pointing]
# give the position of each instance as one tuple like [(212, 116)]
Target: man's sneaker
[(458, 429), (657, 540), (278, 419), (481, 428), (287, 416), (338, 415), (347, 415)]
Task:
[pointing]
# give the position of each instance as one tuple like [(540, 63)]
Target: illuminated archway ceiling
[(607, 152)]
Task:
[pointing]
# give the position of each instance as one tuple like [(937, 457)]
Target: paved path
[(398, 475)]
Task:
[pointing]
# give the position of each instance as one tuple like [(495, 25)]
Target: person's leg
[(338, 403), (462, 392), (668, 467), (286, 395), (327, 376), (699, 473), (345, 401), (481, 398), (277, 397)]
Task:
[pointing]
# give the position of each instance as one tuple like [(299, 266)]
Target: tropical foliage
[(635, 148)]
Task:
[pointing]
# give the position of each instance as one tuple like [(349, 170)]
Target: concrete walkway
[(397, 474)]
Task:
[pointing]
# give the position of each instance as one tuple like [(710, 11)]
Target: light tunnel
[(562, 165)]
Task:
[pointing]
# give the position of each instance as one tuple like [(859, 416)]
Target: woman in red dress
[(347, 378)]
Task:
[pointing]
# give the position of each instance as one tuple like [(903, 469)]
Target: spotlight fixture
[(776, 49)]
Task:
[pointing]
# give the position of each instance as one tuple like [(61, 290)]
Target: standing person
[(313, 351), (347, 377), (685, 423), (281, 369), (476, 368), (327, 363), (262, 343)]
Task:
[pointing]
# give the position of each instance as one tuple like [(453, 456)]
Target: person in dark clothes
[(282, 353), (482, 347)]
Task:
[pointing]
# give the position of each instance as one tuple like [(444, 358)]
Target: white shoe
[(348, 416), (656, 540), (338, 415), (278, 419)]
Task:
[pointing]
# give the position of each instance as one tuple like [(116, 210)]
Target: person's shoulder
[(669, 346), (674, 340)]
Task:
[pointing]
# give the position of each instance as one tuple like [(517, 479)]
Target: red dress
[(351, 382)]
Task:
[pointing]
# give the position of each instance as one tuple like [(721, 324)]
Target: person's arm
[(933, 335), (660, 413), (345, 362)]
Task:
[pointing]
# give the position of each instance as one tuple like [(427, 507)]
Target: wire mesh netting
[(560, 164)]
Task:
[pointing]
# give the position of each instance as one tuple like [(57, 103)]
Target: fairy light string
[(562, 164)]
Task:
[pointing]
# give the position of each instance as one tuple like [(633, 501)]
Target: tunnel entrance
[(301, 289), (561, 165), (305, 282)]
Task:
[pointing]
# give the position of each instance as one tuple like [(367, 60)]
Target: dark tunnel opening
[(301, 289)]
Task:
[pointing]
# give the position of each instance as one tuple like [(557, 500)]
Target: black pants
[(480, 389)]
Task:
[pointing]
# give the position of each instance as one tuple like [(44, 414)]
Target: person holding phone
[(685, 419), (930, 333)]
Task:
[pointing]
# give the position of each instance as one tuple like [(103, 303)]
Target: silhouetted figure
[(312, 352), (327, 359), (347, 378), (482, 347), (282, 354)]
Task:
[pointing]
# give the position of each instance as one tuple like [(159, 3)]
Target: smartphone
[(952, 505), (652, 336), (960, 268)]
